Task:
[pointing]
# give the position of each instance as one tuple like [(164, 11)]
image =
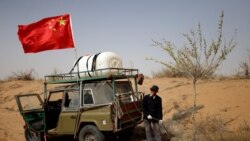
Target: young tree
[(197, 59)]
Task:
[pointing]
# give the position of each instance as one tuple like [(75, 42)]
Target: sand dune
[(228, 99)]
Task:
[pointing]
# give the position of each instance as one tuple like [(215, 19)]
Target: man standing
[(152, 114)]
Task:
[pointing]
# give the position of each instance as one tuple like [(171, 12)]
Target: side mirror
[(140, 78)]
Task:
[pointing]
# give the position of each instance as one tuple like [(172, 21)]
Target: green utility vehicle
[(88, 107)]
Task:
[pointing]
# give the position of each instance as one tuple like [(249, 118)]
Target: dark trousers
[(153, 131)]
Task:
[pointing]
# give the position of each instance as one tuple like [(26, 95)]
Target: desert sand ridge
[(228, 99)]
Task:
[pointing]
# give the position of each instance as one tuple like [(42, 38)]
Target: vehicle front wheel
[(91, 133), (32, 135)]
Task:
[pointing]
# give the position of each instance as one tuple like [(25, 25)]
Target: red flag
[(47, 34)]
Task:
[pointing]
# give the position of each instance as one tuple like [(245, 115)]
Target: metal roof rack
[(105, 73)]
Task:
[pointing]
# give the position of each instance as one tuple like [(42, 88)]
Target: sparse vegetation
[(55, 71), (214, 128), (245, 67), (184, 113), (167, 73), (197, 59), (210, 128), (23, 75)]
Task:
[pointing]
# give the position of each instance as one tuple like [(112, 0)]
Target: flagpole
[(77, 65), (73, 35), (76, 53)]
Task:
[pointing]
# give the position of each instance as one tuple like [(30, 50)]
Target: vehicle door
[(31, 108), (70, 107), (53, 108)]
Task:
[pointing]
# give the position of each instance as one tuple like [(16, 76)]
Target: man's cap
[(154, 88)]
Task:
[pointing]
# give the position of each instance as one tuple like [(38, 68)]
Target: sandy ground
[(228, 99)]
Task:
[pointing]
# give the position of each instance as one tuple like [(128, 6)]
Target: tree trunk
[(194, 109)]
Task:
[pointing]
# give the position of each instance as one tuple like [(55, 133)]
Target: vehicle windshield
[(97, 93)]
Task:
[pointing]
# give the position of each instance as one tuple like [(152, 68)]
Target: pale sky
[(125, 27)]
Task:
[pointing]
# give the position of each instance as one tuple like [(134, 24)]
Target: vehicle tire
[(33, 136), (91, 133)]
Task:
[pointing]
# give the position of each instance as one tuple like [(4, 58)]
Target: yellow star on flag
[(61, 21)]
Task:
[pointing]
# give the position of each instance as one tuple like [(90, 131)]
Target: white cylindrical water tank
[(99, 61)]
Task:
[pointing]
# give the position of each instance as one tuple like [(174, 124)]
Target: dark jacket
[(152, 107)]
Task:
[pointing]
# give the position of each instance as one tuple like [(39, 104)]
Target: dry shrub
[(167, 73), (211, 128), (173, 129), (243, 132), (23, 75)]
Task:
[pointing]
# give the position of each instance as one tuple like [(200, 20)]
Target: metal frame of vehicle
[(116, 116)]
